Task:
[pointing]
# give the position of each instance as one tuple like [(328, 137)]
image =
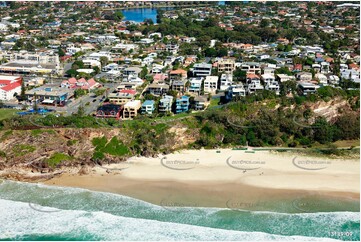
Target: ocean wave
[(21, 222), (43, 200)]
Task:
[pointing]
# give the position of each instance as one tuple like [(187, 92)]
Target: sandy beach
[(212, 178)]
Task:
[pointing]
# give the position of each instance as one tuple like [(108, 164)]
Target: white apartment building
[(226, 81), (210, 84)]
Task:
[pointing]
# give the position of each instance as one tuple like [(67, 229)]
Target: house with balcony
[(157, 89), (234, 91), (253, 83), (322, 79), (273, 86), (304, 76), (175, 75), (267, 78), (165, 104), (133, 70), (179, 85), (182, 104), (173, 48), (307, 88), (126, 86), (109, 67), (251, 67), (226, 81), (254, 86), (351, 74), (195, 85), (122, 97), (283, 78), (200, 102), (252, 77), (131, 108), (226, 66), (148, 107), (237, 90), (268, 70), (109, 111), (210, 84), (202, 69), (332, 79)]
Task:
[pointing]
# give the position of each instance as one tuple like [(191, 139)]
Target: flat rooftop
[(29, 65)]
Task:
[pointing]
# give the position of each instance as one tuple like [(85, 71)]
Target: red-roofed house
[(81, 83), (354, 66), (9, 86), (298, 67), (159, 78)]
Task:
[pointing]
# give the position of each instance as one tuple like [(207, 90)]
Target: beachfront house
[(131, 109), (182, 104), (195, 84), (157, 89), (226, 81), (148, 107), (306, 88), (165, 104), (210, 84)]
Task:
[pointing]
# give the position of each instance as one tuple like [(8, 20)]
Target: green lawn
[(214, 102), (7, 113)]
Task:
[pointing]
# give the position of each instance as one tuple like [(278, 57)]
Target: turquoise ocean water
[(39, 212)]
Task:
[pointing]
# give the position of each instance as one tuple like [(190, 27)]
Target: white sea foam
[(18, 219)]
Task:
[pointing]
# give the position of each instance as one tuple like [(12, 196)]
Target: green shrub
[(71, 142), (113, 147), (2, 154), (57, 158), (21, 149), (98, 155)]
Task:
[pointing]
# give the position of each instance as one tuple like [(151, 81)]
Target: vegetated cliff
[(43, 153)]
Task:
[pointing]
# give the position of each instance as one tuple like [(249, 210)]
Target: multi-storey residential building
[(177, 75), (237, 90), (251, 67), (226, 81), (179, 85), (304, 76), (182, 104), (200, 102), (25, 56), (284, 78), (253, 83), (210, 84), (202, 69), (226, 66), (157, 89), (148, 107), (165, 104), (307, 88), (109, 111), (131, 109), (121, 97), (273, 86), (195, 84), (267, 78), (173, 48)]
